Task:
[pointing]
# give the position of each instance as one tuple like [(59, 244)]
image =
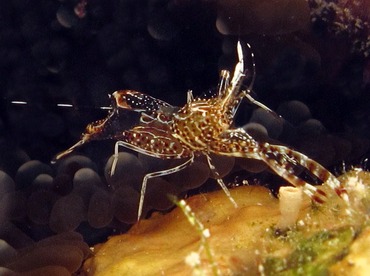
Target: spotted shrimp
[(203, 126)]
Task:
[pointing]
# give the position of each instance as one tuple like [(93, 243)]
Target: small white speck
[(206, 233), (193, 259)]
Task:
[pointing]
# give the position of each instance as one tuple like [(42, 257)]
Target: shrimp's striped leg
[(148, 176), (220, 181), (282, 160)]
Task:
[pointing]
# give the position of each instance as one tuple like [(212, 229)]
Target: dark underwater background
[(310, 69)]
